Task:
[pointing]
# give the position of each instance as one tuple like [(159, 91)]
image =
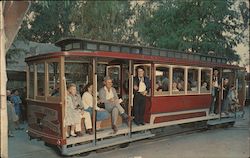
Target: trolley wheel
[(49, 145), (230, 124), (124, 145), (83, 154)]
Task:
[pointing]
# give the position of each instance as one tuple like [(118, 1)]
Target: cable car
[(81, 61)]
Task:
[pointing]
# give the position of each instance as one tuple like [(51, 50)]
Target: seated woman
[(72, 117), (174, 87), (87, 100), (78, 106)]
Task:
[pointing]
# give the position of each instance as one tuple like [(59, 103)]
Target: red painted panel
[(45, 120), (178, 117), (147, 110), (179, 103)]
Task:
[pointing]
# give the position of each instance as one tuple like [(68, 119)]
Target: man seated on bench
[(109, 97)]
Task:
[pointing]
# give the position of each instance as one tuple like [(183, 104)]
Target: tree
[(103, 20), (47, 22), (193, 25)]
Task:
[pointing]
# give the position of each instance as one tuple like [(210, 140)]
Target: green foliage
[(103, 20), (47, 21), (187, 25), (192, 25)]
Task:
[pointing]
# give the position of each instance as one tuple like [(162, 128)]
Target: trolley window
[(76, 73), (161, 80), (114, 73), (54, 82), (40, 79), (178, 83), (31, 81), (192, 83), (205, 80)]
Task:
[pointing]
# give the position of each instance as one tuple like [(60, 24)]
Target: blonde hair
[(71, 85)]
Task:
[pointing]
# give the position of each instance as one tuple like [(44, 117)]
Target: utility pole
[(3, 81), (11, 17)]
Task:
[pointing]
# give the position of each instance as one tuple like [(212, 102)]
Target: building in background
[(16, 67)]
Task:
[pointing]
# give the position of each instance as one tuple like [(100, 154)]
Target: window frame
[(210, 84), (186, 68), (167, 93), (47, 96), (185, 80), (119, 79), (190, 92), (36, 96)]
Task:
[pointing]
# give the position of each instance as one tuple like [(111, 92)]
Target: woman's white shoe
[(72, 133)]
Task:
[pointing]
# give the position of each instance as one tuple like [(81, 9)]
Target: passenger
[(141, 88), (81, 89), (180, 86), (194, 86), (87, 100), (215, 92), (159, 86), (165, 81), (72, 117), (225, 101), (40, 92), (109, 97), (233, 100), (174, 87), (204, 86), (77, 104)]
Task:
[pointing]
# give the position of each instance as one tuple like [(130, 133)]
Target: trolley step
[(220, 121), (105, 143)]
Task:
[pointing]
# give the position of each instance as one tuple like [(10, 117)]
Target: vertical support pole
[(152, 76), (130, 95), (46, 80), (199, 80), (220, 92), (27, 81), (35, 80), (186, 79), (170, 80), (3, 81), (95, 97), (63, 92), (211, 80), (236, 87)]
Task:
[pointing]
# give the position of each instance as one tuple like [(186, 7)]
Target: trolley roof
[(93, 48)]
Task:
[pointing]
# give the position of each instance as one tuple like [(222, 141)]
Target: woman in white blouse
[(87, 100)]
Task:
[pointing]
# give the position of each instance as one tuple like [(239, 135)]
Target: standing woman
[(87, 100), (141, 88)]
